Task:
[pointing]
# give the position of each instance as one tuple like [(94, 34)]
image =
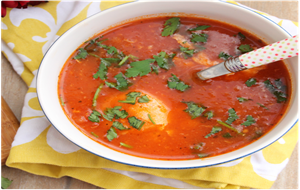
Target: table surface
[(13, 90)]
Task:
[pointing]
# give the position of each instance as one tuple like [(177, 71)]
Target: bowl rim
[(151, 167)]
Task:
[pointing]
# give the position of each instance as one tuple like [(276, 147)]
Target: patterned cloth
[(39, 149)]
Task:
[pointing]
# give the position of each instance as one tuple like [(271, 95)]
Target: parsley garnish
[(199, 37), (105, 63), (175, 83), (82, 54), (209, 114), (125, 145), (224, 56), (149, 116), (112, 50), (122, 83), (281, 97), (111, 134), (230, 127), (143, 99), (227, 135), (110, 113), (136, 123), (241, 99), (119, 125), (214, 130), (250, 120), (171, 26), (241, 36), (250, 82), (96, 95), (187, 52), (194, 110), (131, 98), (139, 68), (5, 182), (244, 48), (232, 116), (203, 27), (162, 60), (94, 134), (94, 117)]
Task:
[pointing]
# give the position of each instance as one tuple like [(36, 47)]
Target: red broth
[(175, 135)]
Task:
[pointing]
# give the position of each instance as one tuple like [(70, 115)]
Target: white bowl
[(53, 61)]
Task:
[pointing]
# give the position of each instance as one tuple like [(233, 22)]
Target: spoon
[(268, 54)]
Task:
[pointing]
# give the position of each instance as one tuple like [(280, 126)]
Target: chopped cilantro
[(263, 106), (131, 98), (199, 37), (162, 60), (111, 113), (112, 50), (136, 123), (62, 101), (143, 99), (94, 134), (244, 48), (149, 116), (194, 110), (214, 130), (97, 94), (198, 146), (227, 135), (250, 82), (94, 117), (241, 36), (241, 99), (171, 25), (111, 134), (232, 116), (82, 54), (139, 68), (281, 96), (224, 56), (175, 83), (202, 155), (119, 125), (230, 127), (250, 120), (5, 182), (94, 55), (124, 60), (202, 27), (155, 69), (209, 114), (125, 145), (187, 52), (122, 83), (105, 63)]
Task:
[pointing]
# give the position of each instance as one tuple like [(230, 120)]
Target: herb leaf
[(244, 48), (209, 114), (263, 106), (199, 37), (149, 116), (194, 110), (111, 134), (143, 99), (187, 52), (131, 98), (94, 134), (171, 26), (202, 155), (213, 131), (136, 123), (5, 182), (94, 117), (227, 135), (250, 120), (250, 82), (82, 54), (162, 60), (119, 125), (175, 83), (139, 68), (241, 36), (105, 63), (110, 113), (122, 83), (97, 94), (202, 27), (281, 97), (125, 145), (224, 56), (232, 116), (241, 99), (230, 127), (112, 50)]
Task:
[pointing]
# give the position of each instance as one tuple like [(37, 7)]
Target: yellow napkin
[(39, 149)]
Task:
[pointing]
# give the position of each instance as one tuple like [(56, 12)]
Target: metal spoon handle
[(274, 52)]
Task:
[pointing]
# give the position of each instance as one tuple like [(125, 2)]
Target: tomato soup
[(134, 89)]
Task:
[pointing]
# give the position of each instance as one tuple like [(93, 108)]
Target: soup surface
[(134, 88)]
